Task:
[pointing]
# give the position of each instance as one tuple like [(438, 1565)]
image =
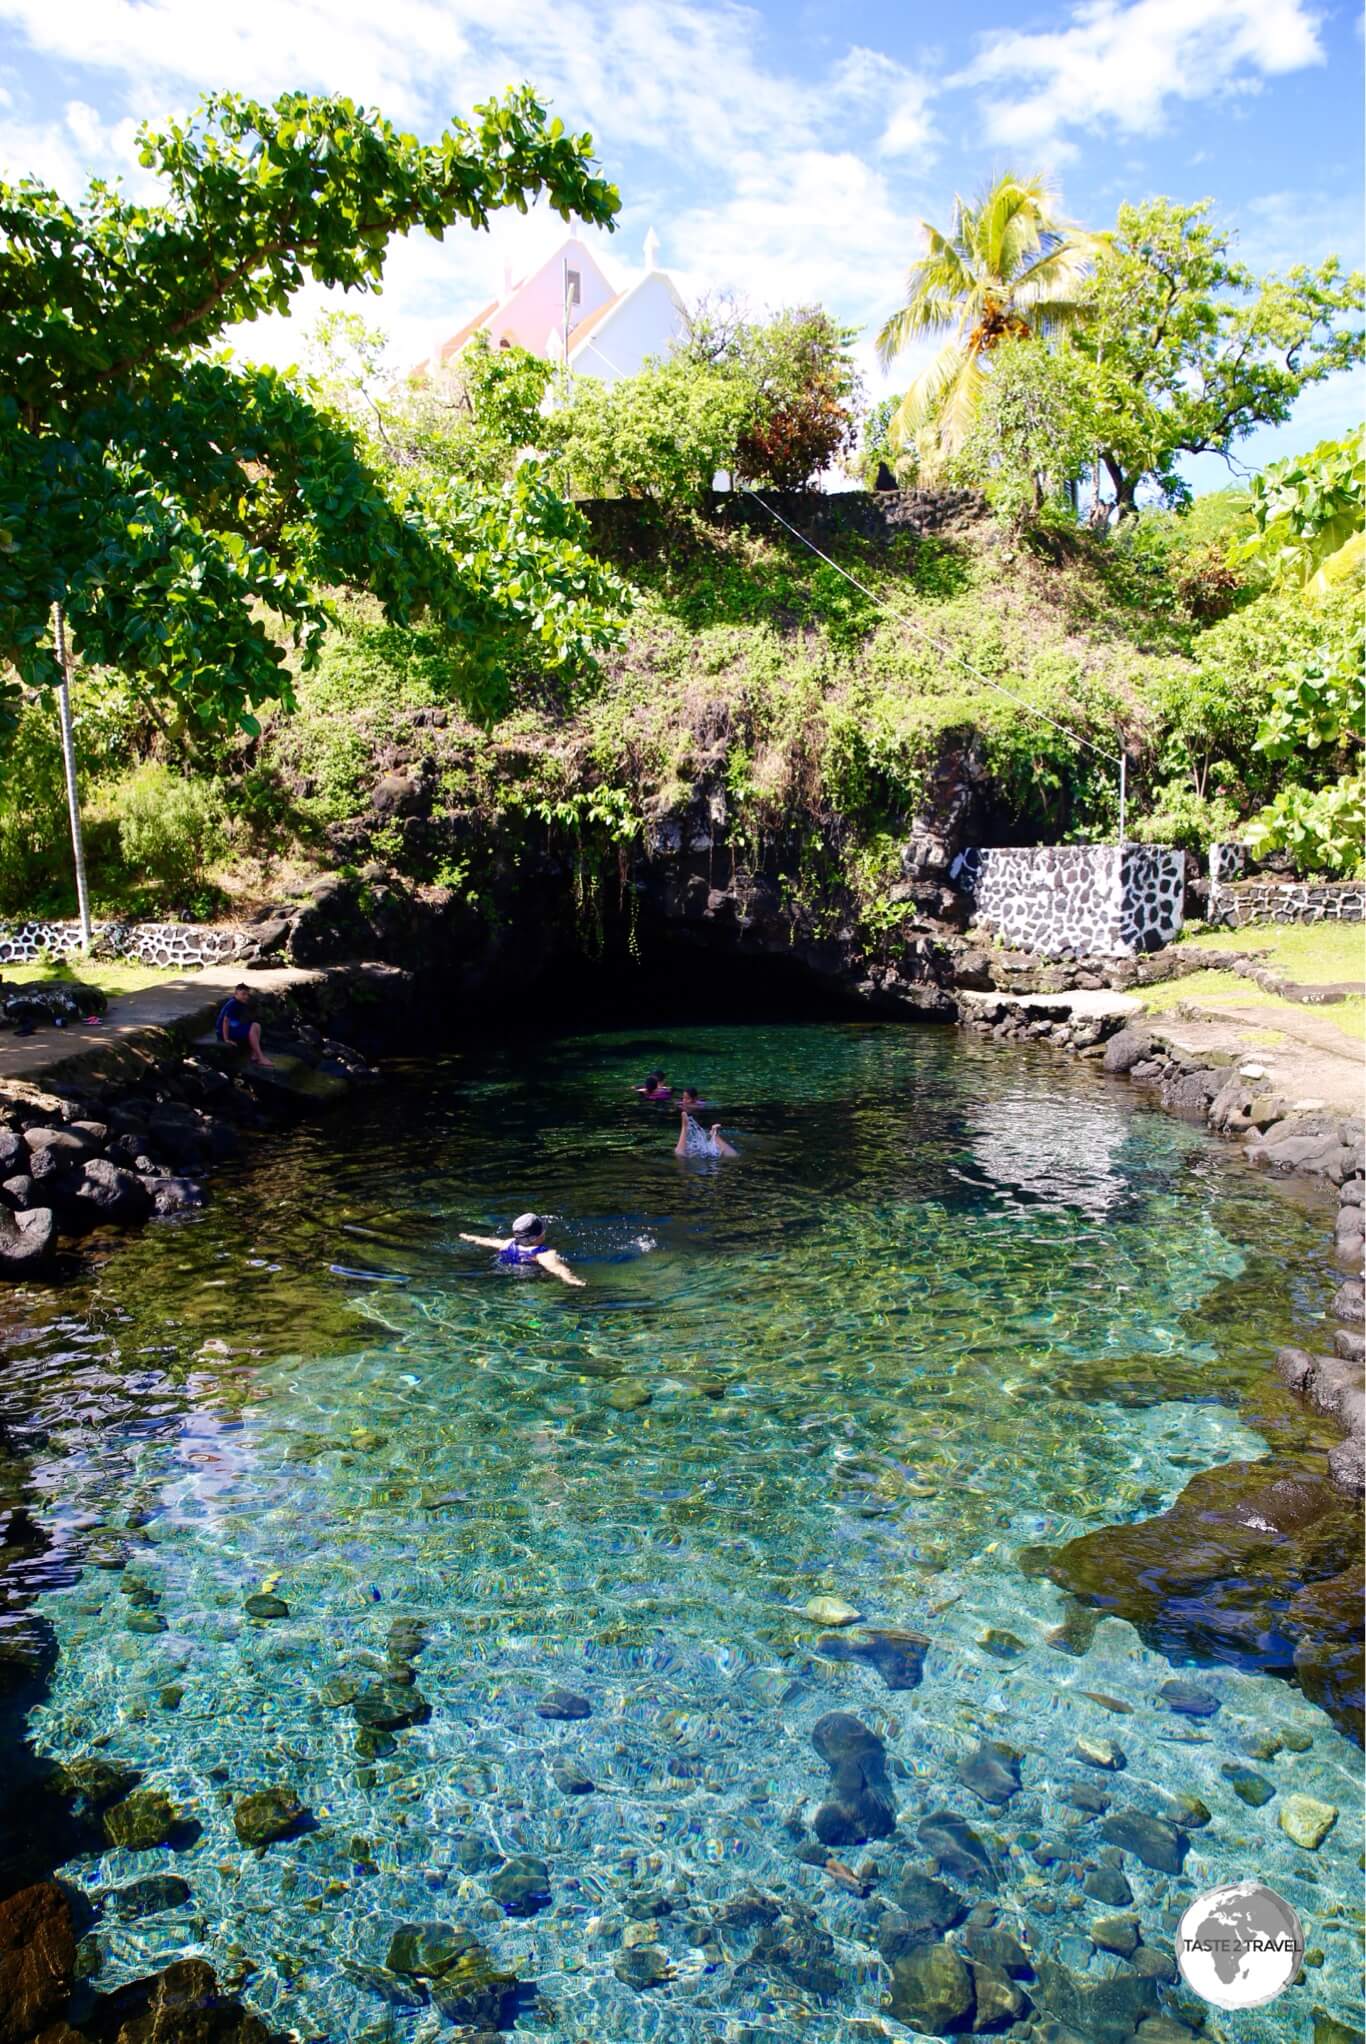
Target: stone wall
[(624, 524), (1099, 901), (187, 944), (1235, 900)]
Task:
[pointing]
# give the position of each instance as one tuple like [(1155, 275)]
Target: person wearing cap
[(527, 1245)]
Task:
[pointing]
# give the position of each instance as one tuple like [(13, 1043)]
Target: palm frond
[(927, 396)]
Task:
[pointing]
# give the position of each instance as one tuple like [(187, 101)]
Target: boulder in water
[(860, 1805), (26, 1238), (142, 1820), (37, 1957), (267, 1815), (932, 1991)]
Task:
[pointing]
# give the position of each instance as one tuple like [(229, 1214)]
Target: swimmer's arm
[(486, 1241), (551, 1260)]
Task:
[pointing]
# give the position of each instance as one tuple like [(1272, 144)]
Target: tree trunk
[(73, 801)]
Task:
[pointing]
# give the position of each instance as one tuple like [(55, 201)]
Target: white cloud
[(757, 179), (1117, 66)]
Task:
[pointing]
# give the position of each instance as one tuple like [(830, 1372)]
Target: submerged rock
[(992, 1772), (142, 1820), (147, 1897), (1101, 2011), (267, 1815), (37, 1959), (642, 1966), (91, 1780), (1249, 1787), (563, 1705), (931, 1907), (957, 1849), (898, 1657), (860, 1805), (1306, 1821), (831, 1611), (521, 1885), (183, 2005), (1116, 1934), (932, 1991), (570, 1778), (1153, 1840), (265, 1606), (1189, 1699)]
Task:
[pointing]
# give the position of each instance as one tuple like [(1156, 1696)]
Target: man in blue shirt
[(235, 1026)]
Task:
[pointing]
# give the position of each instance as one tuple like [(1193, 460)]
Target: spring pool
[(949, 1303)]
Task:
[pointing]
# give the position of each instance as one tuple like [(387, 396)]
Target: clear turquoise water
[(894, 1343)]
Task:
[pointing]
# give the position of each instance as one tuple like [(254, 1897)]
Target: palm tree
[(1009, 268)]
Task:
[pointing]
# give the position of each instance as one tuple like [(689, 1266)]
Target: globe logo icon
[(1240, 1946)]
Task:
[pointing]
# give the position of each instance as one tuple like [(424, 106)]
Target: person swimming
[(655, 1087), (691, 1100), (696, 1141), (527, 1246)]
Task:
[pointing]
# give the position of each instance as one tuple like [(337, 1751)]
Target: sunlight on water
[(945, 1305)]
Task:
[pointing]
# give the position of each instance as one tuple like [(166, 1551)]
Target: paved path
[(186, 1005), (1309, 1060), (1092, 1003)]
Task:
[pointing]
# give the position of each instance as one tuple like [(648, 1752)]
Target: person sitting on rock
[(235, 1026), (527, 1248), (696, 1141), (655, 1087)]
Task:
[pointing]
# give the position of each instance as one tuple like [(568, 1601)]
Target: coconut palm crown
[(1008, 268)]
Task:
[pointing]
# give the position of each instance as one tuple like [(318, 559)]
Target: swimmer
[(691, 1100), (655, 1087), (696, 1141), (527, 1245)]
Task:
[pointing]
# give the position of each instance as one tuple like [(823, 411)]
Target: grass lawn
[(1311, 954), (111, 976)]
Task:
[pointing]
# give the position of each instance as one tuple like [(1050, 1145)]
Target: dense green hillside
[(750, 674)]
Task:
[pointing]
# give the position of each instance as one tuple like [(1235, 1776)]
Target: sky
[(787, 152)]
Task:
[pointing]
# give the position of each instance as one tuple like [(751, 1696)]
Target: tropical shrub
[(1322, 829), (1032, 432), (170, 828), (1310, 517), (662, 434)]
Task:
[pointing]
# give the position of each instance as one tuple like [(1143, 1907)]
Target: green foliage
[(1322, 829), (1033, 430), (171, 828), (662, 434), (1310, 517), (185, 512), (806, 394), (470, 422), (1178, 816), (1190, 352), (1320, 707)]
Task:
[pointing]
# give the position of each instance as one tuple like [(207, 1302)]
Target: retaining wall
[(1086, 901), (187, 944), (1235, 900)]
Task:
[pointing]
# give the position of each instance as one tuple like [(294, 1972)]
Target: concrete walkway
[(1309, 1062), (185, 1007)]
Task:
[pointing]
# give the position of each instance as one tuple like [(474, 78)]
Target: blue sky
[(785, 152)]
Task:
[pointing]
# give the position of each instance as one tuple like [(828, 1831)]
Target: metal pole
[(1123, 792), (69, 765)]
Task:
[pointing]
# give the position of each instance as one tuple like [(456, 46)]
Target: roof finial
[(651, 250)]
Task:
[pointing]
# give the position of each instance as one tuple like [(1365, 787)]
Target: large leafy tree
[(1009, 268), (186, 513), (1192, 351)]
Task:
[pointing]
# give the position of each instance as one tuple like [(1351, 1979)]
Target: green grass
[(111, 976), (1312, 954), (1219, 990)]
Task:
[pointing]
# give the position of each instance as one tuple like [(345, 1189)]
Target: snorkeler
[(527, 1245), (654, 1087), (696, 1141)]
